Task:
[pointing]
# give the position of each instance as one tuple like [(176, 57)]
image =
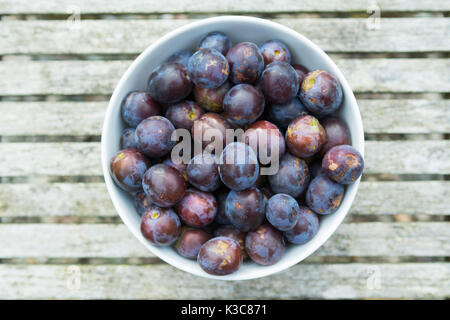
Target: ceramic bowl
[(239, 28)]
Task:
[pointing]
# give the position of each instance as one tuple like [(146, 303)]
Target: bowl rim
[(348, 94)]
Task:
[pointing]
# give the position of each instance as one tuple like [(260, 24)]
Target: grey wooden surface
[(58, 224)]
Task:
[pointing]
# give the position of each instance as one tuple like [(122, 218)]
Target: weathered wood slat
[(86, 118), (330, 281), (112, 36), (59, 159), (55, 199), (116, 241), (52, 118), (100, 77), (407, 157), (230, 6), (92, 199), (75, 159), (408, 197), (405, 116)]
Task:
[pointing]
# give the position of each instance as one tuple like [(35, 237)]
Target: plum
[(137, 106), (208, 68), (246, 209), (215, 40), (183, 114), (154, 136), (305, 136), (279, 82), (246, 62), (127, 168), (197, 208), (238, 166), (321, 93), (202, 172), (265, 245), (160, 226), (292, 176), (343, 164), (243, 104), (282, 211), (220, 256), (164, 185), (275, 50), (306, 227), (211, 99), (169, 83), (324, 196), (190, 241)]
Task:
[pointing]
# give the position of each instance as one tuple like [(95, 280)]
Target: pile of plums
[(223, 212)]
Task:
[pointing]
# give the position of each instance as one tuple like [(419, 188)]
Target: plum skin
[(180, 57), (154, 136), (137, 106), (292, 177), (160, 226), (246, 209), (324, 196), (183, 114), (211, 99), (197, 208), (127, 168), (180, 166), (220, 256), (164, 185), (142, 202), (265, 245), (302, 71), (283, 114), (279, 82), (208, 68), (337, 133), (169, 83), (190, 241), (275, 50), (256, 133), (306, 227), (233, 233), (305, 136), (246, 63), (206, 122), (321, 93), (282, 210), (128, 139), (238, 166), (215, 40), (202, 172), (243, 104), (343, 164)]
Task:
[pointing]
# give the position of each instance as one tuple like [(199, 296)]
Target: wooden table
[(60, 236)]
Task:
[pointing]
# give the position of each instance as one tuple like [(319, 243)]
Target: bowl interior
[(239, 29)]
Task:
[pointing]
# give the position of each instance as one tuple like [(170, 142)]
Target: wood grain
[(113, 36), (100, 77), (330, 281), (219, 6)]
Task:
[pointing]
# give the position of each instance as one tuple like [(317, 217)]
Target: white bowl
[(239, 28)]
